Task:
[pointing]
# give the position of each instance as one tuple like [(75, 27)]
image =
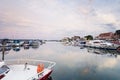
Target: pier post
[(3, 52)]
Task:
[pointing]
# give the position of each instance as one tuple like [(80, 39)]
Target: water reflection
[(35, 47), (26, 47), (110, 53), (75, 44), (6, 49), (16, 49), (98, 51)]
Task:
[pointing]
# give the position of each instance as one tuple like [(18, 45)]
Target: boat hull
[(46, 76), (1, 76)]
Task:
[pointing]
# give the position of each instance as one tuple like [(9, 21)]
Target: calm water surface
[(73, 63)]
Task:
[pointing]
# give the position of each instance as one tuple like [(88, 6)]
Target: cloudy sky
[(55, 19)]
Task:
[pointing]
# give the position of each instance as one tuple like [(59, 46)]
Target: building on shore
[(109, 35), (106, 36), (66, 39), (75, 38)]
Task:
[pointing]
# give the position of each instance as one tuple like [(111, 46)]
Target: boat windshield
[(4, 69)]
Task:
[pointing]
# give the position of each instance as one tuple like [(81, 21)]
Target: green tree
[(117, 34), (89, 37)]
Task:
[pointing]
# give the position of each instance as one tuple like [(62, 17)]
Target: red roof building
[(106, 36)]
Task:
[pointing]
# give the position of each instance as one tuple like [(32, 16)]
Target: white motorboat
[(102, 44), (35, 43), (25, 69), (99, 43)]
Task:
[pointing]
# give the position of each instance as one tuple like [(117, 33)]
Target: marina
[(72, 61), (59, 40), (24, 69)]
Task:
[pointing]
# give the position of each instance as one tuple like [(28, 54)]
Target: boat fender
[(40, 68)]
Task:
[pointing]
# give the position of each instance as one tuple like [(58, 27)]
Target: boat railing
[(47, 64)]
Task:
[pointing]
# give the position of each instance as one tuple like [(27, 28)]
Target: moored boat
[(102, 44), (25, 69), (35, 43)]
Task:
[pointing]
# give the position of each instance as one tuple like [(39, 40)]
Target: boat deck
[(20, 72)]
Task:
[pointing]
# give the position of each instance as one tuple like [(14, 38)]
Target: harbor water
[(72, 62)]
